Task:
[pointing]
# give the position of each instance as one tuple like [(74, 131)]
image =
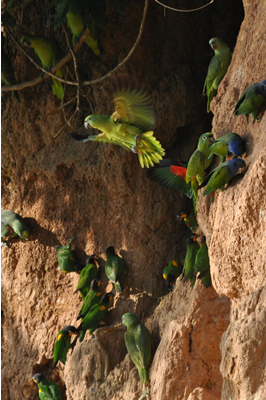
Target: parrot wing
[(213, 71), (55, 392), (202, 262), (61, 348), (218, 178), (134, 107), (101, 137)]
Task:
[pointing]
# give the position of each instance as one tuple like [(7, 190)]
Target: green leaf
[(61, 11)]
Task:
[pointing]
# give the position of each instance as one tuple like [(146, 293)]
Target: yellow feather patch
[(102, 308), (65, 272), (98, 294), (59, 337), (40, 390), (164, 276), (175, 263)]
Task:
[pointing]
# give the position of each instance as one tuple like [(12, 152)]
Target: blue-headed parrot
[(251, 101)]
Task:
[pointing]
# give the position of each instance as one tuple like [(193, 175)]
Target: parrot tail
[(82, 335), (57, 86), (93, 44), (149, 149), (143, 374)]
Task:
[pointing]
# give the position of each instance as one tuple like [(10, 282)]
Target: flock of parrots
[(131, 126)]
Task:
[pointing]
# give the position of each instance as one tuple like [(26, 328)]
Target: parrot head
[(262, 88), (96, 121), (107, 297), (38, 378), (70, 330), (110, 250), (23, 232), (204, 141), (130, 320), (26, 41), (203, 239), (95, 283), (216, 43), (90, 259), (237, 163), (170, 281), (192, 239), (183, 214)]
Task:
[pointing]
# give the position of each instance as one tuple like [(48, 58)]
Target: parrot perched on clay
[(206, 279), (228, 143), (115, 268), (189, 218), (218, 178), (217, 68), (88, 273), (50, 53), (95, 316), (138, 341), (93, 297), (199, 162), (12, 225), (202, 263), (172, 174), (7, 72), (77, 28), (66, 258), (47, 390), (192, 249), (251, 100), (130, 126), (171, 273), (62, 344)]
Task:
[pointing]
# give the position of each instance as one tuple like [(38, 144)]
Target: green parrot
[(7, 72), (171, 273), (115, 268), (95, 316), (202, 262), (50, 53), (62, 344), (218, 178), (217, 68), (251, 100), (47, 390), (192, 249), (138, 342), (92, 298), (88, 273), (129, 126), (76, 26), (189, 218), (206, 279), (66, 258), (228, 143), (199, 162), (12, 225)]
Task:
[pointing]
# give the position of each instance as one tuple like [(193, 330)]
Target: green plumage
[(88, 273), (202, 264), (171, 273), (251, 100), (12, 224), (217, 68), (129, 126), (228, 143), (138, 342), (192, 249), (206, 279), (66, 258), (76, 26), (7, 72), (115, 268), (93, 297), (50, 53), (47, 390), (189, 218), (95, 316), (62, 343), (199, 162)]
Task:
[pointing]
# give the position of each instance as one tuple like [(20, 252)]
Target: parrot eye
[(204, 137)]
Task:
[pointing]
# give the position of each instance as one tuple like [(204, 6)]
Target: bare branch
[(35, 81), (177, 9)]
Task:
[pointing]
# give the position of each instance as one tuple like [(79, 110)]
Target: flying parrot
[(189, 218), (228, 143), (138, 342), (7, 72), (172, 174), (218, 178), (171, 273), (66, 258), (130, 126), (62, 344), (50, 53), (200, 160), (76, 26), (251, 100), (202, 262), (93, 297), (217, 68), (115, 268), (192, 249), (95, 316), (12, 225), (47, 390), (88, 273)]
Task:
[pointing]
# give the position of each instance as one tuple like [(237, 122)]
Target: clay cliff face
[(208, 343)]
